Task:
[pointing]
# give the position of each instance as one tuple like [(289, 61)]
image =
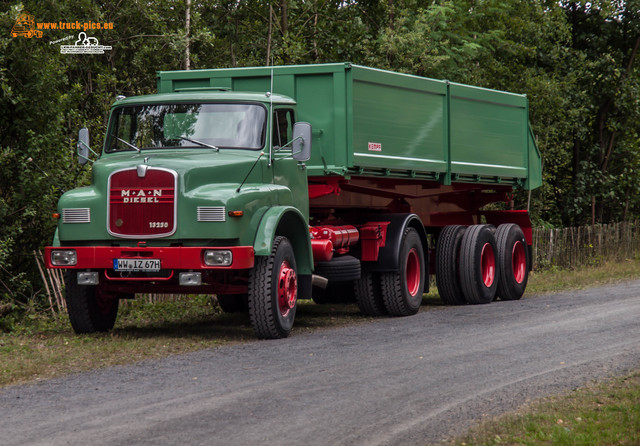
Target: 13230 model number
[(158, 224)]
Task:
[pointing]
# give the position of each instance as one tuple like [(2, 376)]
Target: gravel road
[(415, 380)]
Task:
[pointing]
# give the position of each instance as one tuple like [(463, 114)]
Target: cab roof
[(205, 96)]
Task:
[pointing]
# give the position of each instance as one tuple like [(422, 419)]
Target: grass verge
[(599, 414), (42, 347)]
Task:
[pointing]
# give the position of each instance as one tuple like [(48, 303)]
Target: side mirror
[(83, 146), (301, 146)]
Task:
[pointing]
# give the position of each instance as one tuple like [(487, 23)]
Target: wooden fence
[(585, 245)]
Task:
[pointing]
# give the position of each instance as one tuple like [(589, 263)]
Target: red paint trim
[(287, 288), (171, 257), (488, 265), (373, 236), (340, 236), (412, 270), (328, 186), (322, 250), (519, 262)]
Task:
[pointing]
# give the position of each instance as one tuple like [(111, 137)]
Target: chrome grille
[(76, 215), (211, 213)]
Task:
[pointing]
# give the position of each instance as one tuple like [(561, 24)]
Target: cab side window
[(283, 121)]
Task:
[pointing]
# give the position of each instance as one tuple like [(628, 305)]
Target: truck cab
[(189, 188)]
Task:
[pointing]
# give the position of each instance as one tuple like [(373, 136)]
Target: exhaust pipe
[(319, 281)]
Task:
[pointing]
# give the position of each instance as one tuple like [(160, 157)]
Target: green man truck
[(268, 185)]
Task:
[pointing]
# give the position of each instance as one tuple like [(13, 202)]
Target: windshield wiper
[(203, 144), (125, 142)]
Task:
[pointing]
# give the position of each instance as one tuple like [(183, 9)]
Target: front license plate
[(136, 264)]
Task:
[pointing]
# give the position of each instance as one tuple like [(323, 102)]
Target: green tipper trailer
[(373, 122), (270, 184)]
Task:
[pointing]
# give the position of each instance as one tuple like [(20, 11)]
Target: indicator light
[(236, 213)]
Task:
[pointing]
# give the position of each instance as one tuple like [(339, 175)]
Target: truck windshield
[(159, 126)]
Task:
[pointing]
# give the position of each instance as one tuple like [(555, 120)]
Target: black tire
[(272, 317), (448, 265), (233, 303), (89, 309), (478, 273), (513, 262), (368, 293), (402, 290), (339, 269)]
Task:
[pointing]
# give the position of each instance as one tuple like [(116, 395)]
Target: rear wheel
[(90, 309), (273, 291), (402, 290), (513, 262), (478, 273), (448, 265), (369, 295)]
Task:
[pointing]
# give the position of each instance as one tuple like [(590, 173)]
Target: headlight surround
[(218, 257), (64, 257)]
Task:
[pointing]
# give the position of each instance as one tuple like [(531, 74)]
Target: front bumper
[(171, 257)]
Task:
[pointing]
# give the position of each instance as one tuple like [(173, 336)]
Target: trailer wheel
[(273, 291), (233, 303), (448, 265), (478, 272), (513, 262), (402, 290), (368, 293), (90, 310)]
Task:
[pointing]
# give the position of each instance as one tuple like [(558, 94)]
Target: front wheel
[(273, 291), (90, 309)]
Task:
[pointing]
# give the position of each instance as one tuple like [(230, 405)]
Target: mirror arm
[(89, 148), (290, 143)]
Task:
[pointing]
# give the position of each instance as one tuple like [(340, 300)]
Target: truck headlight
[(66, 257), (218, 257)]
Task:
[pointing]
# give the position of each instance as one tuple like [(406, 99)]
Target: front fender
[(289, 222)]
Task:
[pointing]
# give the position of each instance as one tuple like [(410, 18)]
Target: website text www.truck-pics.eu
[(84, 26)]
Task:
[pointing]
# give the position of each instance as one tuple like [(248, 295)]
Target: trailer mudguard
[(289, 222), (389, 256)]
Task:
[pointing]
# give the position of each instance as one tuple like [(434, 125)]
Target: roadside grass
[(41, 346), (599, 414), (558, 279), (45, 347)]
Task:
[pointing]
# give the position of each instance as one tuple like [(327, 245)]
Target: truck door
[(287, 171)]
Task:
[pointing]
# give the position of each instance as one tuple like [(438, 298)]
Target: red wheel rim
[(519, 262), (488, 264), (413, 272), (287, 289)]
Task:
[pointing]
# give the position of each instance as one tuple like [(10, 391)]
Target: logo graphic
[(84, 45), (25, 26)]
